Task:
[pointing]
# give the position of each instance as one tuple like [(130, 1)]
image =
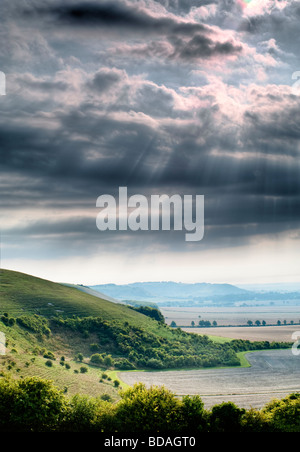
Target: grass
[(21, 293), (219, 339)]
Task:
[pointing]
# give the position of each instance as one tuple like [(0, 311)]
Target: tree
[(108, 361), (31, 404), (226, 417), (96, 358), (257, 322), (89, 414), (173, 324), (150, 312), (147, 410), (284, 414), (193, 416), (79, 357), (192, 323), (250, 323)]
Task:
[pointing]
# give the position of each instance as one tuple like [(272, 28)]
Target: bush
[(35, 405), (49, 355), (30, 404), (97, 359), (148, 410), (284, 415), (226, 417), (34, 323), (193, 416)]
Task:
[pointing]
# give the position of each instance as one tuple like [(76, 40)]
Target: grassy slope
[(21, 293), (24, 294)]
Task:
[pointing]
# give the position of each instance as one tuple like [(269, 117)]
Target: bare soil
[(273, 374), (282, 333)]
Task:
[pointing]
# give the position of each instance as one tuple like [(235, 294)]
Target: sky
[(162, 97)]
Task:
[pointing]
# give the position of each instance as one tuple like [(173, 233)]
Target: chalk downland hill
[(79, 340)]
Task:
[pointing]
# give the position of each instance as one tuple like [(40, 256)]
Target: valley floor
[(282, 333), (273, 374)]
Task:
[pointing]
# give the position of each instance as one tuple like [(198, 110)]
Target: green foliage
[(226, 417), (154, 313), (34, 323), (141, 410), (135, 347), (8, 321), (31, 404), (87, 414), (284, 414), (36, 405), (49, 355), (193, 416)]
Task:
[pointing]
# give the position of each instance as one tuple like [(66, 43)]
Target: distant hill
[(80, 341), (169, 293)]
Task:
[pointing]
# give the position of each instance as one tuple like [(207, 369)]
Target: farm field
[(273, 374), (281, 333), (233, 315)]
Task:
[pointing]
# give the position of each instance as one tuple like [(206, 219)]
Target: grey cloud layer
[(91, 125)]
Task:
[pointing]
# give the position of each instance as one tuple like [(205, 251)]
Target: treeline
[(133, 347), (123, 346), (208, 323), (36, 405)]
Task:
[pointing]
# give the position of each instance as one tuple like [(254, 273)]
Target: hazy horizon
[(161, 97)]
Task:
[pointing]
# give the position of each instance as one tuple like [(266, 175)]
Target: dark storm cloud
[(189, 39), (201, 46), (114, 15), (119, 129), (105, 79)]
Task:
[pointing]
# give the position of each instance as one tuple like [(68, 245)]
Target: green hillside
[(81, 341), (21, 293)]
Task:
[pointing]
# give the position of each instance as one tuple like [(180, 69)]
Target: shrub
[(34, 323), (284, 415), (226, 417), (49, 355), (148, 410), (30, 404), (97, 359), (193, 416)]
